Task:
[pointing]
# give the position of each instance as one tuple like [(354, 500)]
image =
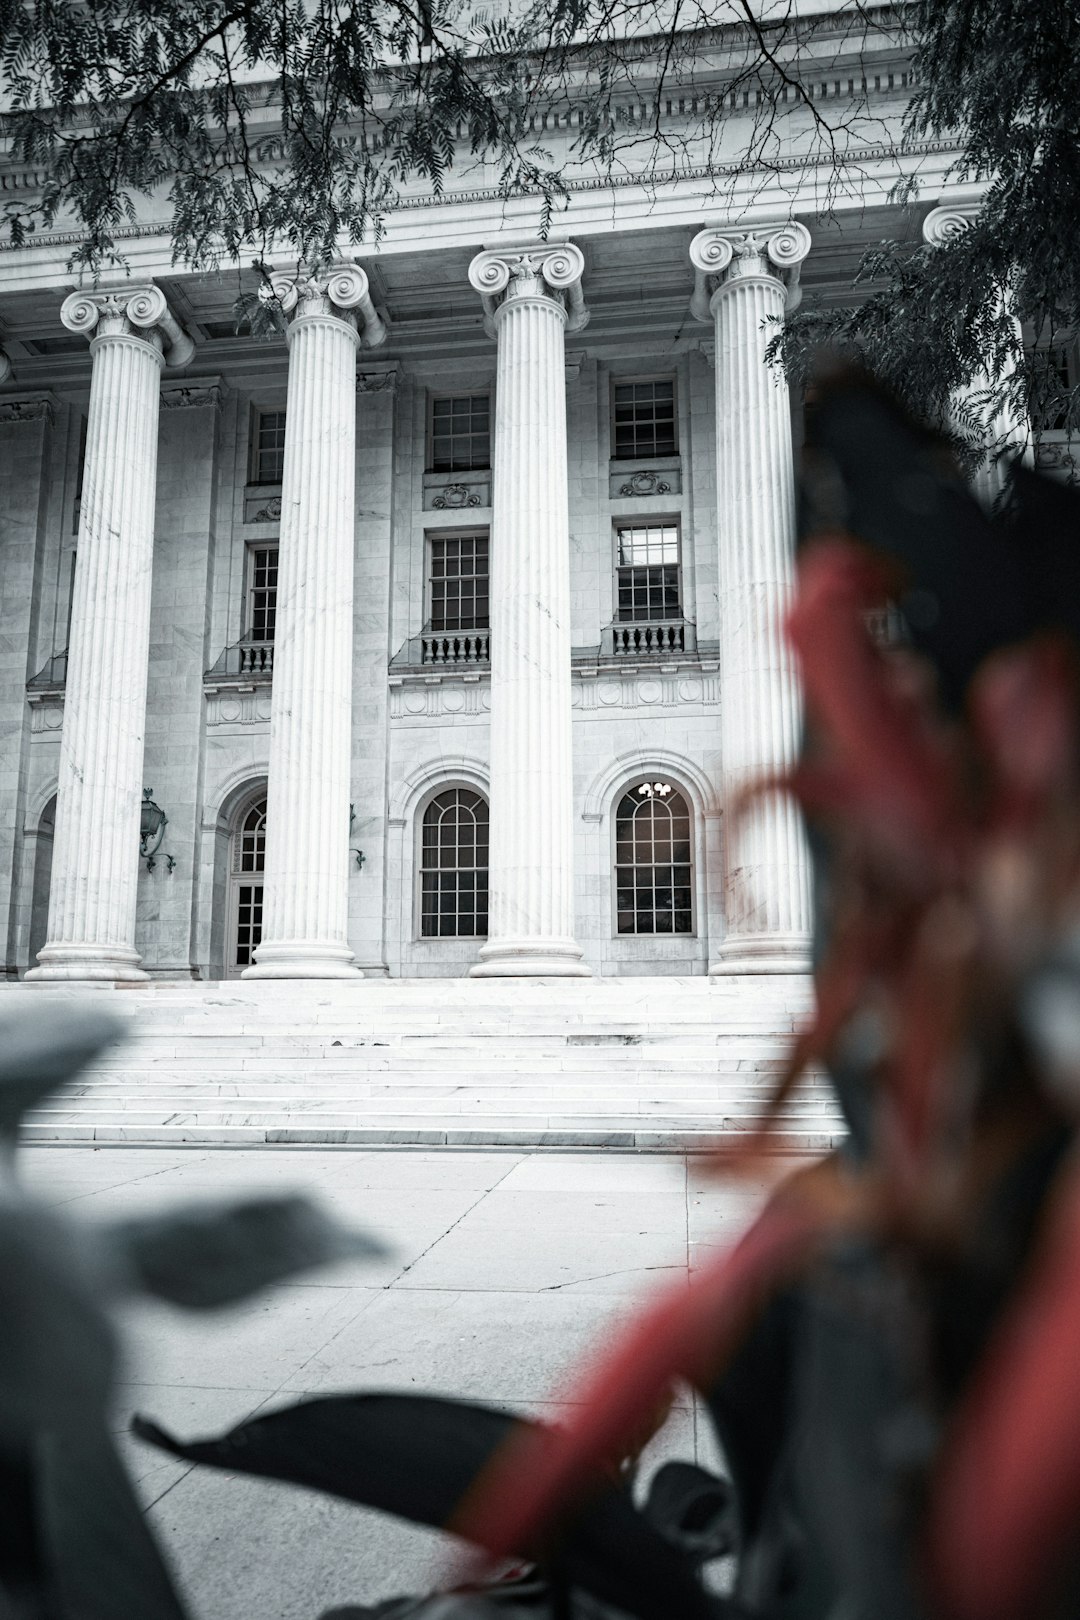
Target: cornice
[(877, 153)]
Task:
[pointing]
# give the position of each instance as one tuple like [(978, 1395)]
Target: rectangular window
[(268, 457), (460, 433), (643, 420), (647, 574), (458, 582), (262, 592)]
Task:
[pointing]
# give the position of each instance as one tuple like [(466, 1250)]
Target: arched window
[(454, 866), (248, 859), (653, 867)]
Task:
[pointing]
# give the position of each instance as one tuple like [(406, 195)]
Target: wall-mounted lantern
[(357, 852), (152, 824)]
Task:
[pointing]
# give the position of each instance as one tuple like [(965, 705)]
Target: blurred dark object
[(74, 1543), (419, 1456)]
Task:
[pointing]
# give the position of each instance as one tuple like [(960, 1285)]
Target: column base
[(762, 953), (300, 959), (530, 959), (114, 964)]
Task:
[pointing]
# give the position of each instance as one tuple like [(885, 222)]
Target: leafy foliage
[(278, 123), (1005, 74)]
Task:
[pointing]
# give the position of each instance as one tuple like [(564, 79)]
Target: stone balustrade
[(456, 647)]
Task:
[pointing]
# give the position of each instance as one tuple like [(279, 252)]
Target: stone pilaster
[(766, 873), (1005, 433), (96, 852), (532, 296), (306, 888)]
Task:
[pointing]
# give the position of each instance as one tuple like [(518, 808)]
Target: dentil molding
[(131, 311)]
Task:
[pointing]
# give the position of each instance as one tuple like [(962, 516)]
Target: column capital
[(338, 290), (133, 311), (519, 270), (722, 256), (946, 223)]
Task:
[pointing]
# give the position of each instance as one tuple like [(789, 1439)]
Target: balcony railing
[(456, 647), (245, 660), (658, 638)]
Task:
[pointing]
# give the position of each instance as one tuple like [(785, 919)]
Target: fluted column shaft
[(95, 863), (531, 892), (766, 869), (306, 883)]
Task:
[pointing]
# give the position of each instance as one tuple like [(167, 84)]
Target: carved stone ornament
[(377, 382), (455, 495), (531, 269), (721, 256), (645, 483), (338, 292), (129, 312), (41, 409), (270, 512), (191, 396), (943, 225)]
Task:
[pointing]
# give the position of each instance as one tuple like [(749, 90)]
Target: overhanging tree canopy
[(282, 125)]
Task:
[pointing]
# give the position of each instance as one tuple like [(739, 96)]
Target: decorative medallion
[(645, 483), (455, 495)]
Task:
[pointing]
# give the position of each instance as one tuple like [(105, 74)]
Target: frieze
[(439, 698), (233, 708)]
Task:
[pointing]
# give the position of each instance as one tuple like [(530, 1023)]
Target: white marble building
[(445, 634)]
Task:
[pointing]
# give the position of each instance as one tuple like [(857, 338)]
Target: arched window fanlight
[(653, 865), (454, 866)]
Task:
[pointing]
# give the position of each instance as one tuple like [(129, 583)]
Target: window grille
[(249, 853), (653, 884), (644, 420), (647, 583), (262, 592), (460, 433), (458, 585), (269, 457), (454, 866)]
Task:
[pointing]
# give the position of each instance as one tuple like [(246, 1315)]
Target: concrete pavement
[(507, 1269)]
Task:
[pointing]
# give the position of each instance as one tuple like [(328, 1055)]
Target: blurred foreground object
[(74, 1544), (890, 1353)]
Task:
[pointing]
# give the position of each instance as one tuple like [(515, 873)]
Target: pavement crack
[(628, 1271), (453, 1225)]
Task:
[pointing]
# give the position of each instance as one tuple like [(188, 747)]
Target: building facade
[(438, 635)]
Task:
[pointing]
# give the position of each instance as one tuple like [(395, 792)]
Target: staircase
[(652, 1063)]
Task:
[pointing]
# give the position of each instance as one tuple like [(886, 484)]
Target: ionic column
[(306, 884), (531, 295), (1005, 432), (766, 871), (96, 850)]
